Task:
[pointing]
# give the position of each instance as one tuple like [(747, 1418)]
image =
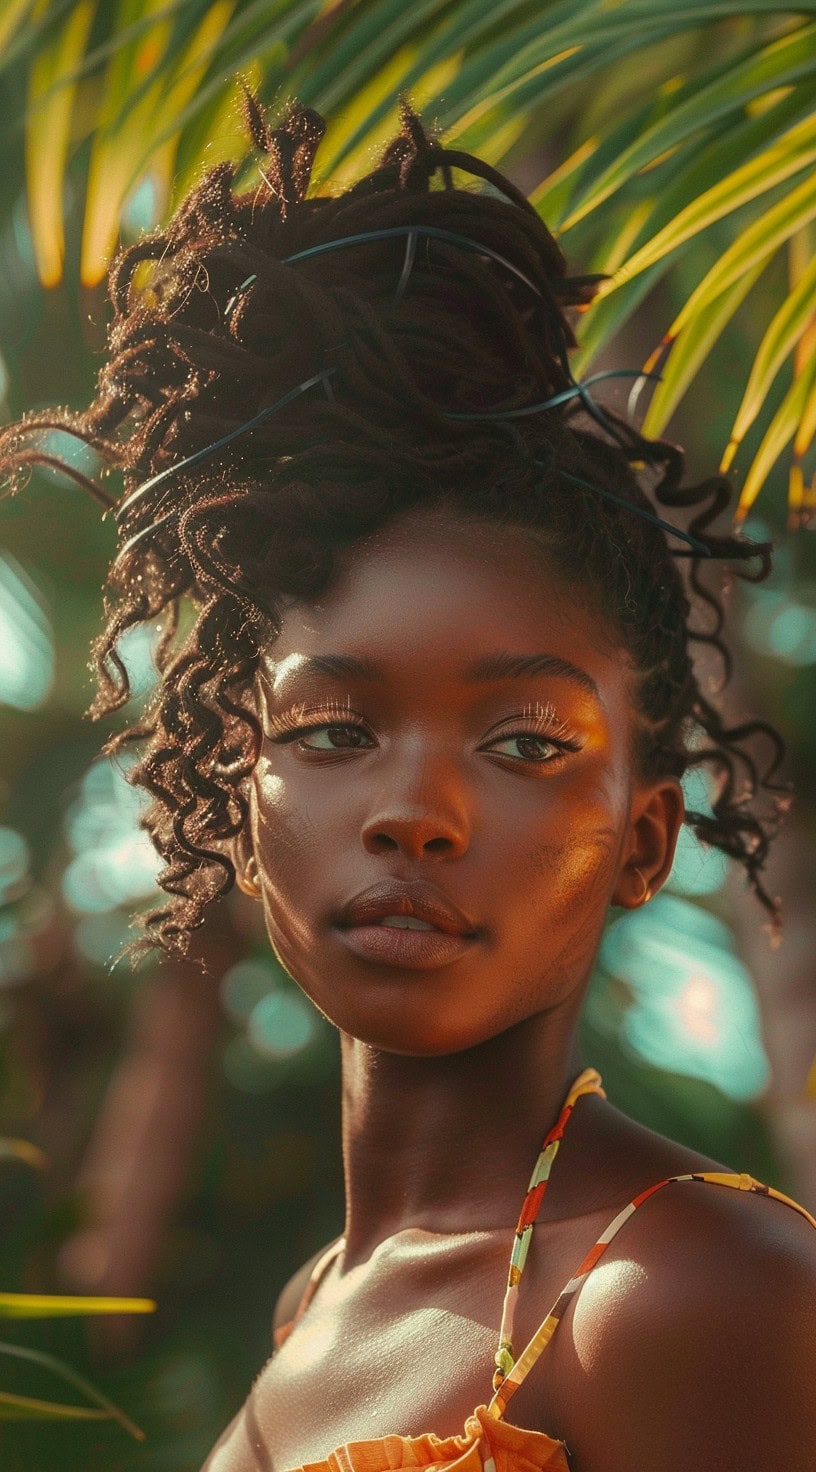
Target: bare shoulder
[(291, 1294), (695, 1338)]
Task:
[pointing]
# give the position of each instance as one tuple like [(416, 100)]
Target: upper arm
[(708, 1361)]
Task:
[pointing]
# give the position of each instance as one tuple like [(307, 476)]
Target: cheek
[(565, 849), (286, 837), (289, 851), (582, 865)]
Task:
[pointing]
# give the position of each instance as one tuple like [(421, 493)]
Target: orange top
[(488, 1443)]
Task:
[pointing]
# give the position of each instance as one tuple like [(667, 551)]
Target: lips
[(405, 897)]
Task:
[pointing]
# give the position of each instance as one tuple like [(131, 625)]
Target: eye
[(341, 727), (536, 747), (527, 741), (350, 736)]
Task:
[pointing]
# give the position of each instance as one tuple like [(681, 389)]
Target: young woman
[(433, 714)]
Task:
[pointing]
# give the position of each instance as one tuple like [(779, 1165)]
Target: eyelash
[(544, 722)]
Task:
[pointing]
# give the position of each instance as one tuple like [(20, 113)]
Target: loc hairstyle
[(213, 323)]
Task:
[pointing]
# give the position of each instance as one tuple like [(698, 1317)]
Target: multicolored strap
[(542, 1337), (588, 1082)]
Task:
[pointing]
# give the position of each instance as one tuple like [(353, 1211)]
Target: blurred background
[(190, 1123)]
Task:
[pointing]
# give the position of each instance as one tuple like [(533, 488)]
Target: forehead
[(432, 594)]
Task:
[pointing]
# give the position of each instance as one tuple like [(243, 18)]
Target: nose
[(431, 822), (417, 837)]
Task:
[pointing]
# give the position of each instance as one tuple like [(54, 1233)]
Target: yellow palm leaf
[(47, 134)]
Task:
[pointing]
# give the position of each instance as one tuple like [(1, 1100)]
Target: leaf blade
[(14, 1149), (64, 1372), (785, 61), (59, 1306), (47, 130), (789, 155), (27, 1408), (777, 344), (690, 350), (779, 433)]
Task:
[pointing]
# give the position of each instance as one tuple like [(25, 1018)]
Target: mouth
[(404, 941), (405, 922)]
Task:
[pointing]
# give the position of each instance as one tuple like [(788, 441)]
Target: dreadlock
[(213, 322)]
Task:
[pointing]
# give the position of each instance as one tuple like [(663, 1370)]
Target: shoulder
[(699, 1347), (291, 1294)]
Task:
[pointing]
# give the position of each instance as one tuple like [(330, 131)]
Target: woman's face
[(443, 777)]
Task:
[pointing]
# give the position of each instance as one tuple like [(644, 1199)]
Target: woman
[(433, 714)]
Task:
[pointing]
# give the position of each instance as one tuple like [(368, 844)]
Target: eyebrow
[(488, 668)]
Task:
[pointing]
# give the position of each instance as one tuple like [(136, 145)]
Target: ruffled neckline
[(488, 1444)]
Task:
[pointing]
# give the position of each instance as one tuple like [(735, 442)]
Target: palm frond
[(725, 142)]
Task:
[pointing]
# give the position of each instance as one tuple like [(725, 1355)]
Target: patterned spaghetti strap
[(489, 1443)]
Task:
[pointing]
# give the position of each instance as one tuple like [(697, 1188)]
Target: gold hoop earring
[(644, 898), (248, 884)]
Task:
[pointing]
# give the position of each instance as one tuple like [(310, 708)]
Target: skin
[(452, 1077)]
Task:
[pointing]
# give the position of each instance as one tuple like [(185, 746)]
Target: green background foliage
[(671, 147)]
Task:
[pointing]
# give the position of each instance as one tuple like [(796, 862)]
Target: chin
[(403, 1033)]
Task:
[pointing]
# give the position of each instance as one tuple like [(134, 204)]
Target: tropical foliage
[(14, 1407), (670, 146), (662, 124)]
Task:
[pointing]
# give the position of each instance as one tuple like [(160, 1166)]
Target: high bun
[(274, 390)]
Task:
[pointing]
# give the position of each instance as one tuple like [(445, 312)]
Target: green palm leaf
[(783, 334), (788, 156), (26, 1408), (698, 106), (64, 1305), (78, 1382), (728, 128), (798, 401), (13, 1149), (691, 350)]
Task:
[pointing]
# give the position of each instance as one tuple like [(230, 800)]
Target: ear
[(656, 816), (240, 850)]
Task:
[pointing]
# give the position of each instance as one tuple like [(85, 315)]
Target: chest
[(404, 1345)]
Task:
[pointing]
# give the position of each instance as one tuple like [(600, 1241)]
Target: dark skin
[(452, 1077)]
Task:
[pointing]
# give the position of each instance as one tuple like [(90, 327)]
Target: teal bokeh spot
[(280, 1025), (115, 862), (244, 985), (14, 861), (693, 1009), (26, 644), (792, 634)]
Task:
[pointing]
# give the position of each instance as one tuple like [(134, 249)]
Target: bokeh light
[(99, 937), (245, 984), (698, 868), (136, 648), (693, 1009), (73, 451), (114, 862), (142, 208), (14, 862), (781, 626), (26, 640), (280, 1025)]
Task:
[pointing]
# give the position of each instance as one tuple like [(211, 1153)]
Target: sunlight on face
[(449, 710)]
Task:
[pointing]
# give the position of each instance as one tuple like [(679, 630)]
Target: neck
[(447, 1144)]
